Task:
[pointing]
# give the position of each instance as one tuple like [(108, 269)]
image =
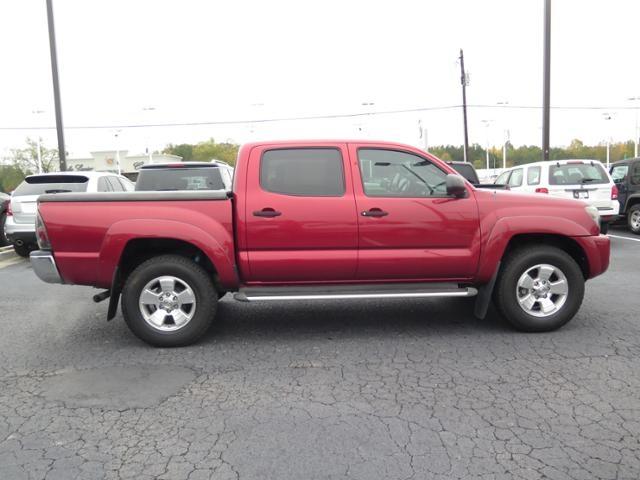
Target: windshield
[(168, 179), (38, 185), (577, 174)]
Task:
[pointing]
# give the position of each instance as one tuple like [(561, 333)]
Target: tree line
[(24, 161), (532, 153)]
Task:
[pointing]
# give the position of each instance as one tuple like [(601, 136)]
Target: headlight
[(593, 213)]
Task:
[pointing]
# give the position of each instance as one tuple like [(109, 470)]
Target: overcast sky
[(217, 61)]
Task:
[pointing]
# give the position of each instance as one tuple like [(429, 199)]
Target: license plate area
[(580, 194)]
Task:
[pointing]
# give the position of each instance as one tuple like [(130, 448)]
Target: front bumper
[(45, 267), (19, 233)]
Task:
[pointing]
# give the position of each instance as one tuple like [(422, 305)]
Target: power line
[(316, 117)]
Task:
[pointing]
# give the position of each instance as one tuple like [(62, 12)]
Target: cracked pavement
[(398, 389)]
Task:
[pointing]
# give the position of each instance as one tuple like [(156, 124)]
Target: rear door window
[(38, 185), (619, 173), (635, 174), (533, 176), (577, 174), (307, 172), (516, 178)]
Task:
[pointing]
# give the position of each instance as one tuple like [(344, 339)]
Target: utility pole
[(546, 80), (56, 87), (464, 82)]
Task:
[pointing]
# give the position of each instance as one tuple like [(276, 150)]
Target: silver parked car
[(21, 218)]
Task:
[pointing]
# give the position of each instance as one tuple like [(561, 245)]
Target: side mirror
[(455, 186)]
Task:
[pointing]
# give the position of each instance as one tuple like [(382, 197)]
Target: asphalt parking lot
[(341, 390)]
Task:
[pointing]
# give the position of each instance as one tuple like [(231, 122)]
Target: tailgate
[(24, 208)]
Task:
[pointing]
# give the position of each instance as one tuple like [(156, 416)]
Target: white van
[(585, 180)]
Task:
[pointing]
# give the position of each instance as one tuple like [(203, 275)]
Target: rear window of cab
[(577, 174)]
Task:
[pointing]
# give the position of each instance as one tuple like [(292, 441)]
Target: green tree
[(183, 150), (10, 178), (205, 151), (26, 159)]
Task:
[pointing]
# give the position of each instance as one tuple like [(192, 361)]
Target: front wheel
[(169, 301), (633, 219), (539, 289)]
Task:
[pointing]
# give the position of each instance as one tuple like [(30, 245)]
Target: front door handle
[(267, 212), (374, 212)]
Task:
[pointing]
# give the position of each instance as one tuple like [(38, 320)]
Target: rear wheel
[(23, 250), (633, 219), (539, 288), (169, 301), (604, 228)]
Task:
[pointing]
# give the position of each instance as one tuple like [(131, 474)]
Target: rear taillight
[(41, 234), (9, 211), (542, 190), (614, 193)]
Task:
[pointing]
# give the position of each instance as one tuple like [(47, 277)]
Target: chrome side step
[(410, 290)]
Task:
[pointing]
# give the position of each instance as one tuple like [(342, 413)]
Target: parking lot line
[(625, 238)]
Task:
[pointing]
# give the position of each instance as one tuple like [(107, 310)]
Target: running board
[(334, 292)]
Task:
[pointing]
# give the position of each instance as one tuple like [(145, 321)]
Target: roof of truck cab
[(324, 141)]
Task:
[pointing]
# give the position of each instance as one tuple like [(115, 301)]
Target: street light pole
[(506, 135), (39, 148), (636, 133), (56, 87), (608, 116), (487, 123), (149, 109), (118, 152)]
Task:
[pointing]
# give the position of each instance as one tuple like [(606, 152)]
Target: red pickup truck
[(322, 220)]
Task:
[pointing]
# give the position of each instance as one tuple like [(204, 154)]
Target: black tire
[(23, 250), (184, 270), (506, 289), (632, 215), (604, 228), (4, 241)]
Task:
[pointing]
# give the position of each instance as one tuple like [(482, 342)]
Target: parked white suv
[(21, 216), (585, 180)]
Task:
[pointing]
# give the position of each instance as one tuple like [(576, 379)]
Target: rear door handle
[(267, 212), (374, 212)]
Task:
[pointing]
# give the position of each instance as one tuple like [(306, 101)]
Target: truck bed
[(90, 231)]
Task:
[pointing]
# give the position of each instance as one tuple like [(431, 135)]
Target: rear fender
[(216, 243)]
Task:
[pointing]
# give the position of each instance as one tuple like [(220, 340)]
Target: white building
[(106, 161)]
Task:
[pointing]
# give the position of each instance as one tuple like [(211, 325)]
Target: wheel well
[(140, 250), (632, 201), (563, 243)]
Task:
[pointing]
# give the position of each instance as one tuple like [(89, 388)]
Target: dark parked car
[(626, 176), (164, 177), (468, 171), (4, 206)]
